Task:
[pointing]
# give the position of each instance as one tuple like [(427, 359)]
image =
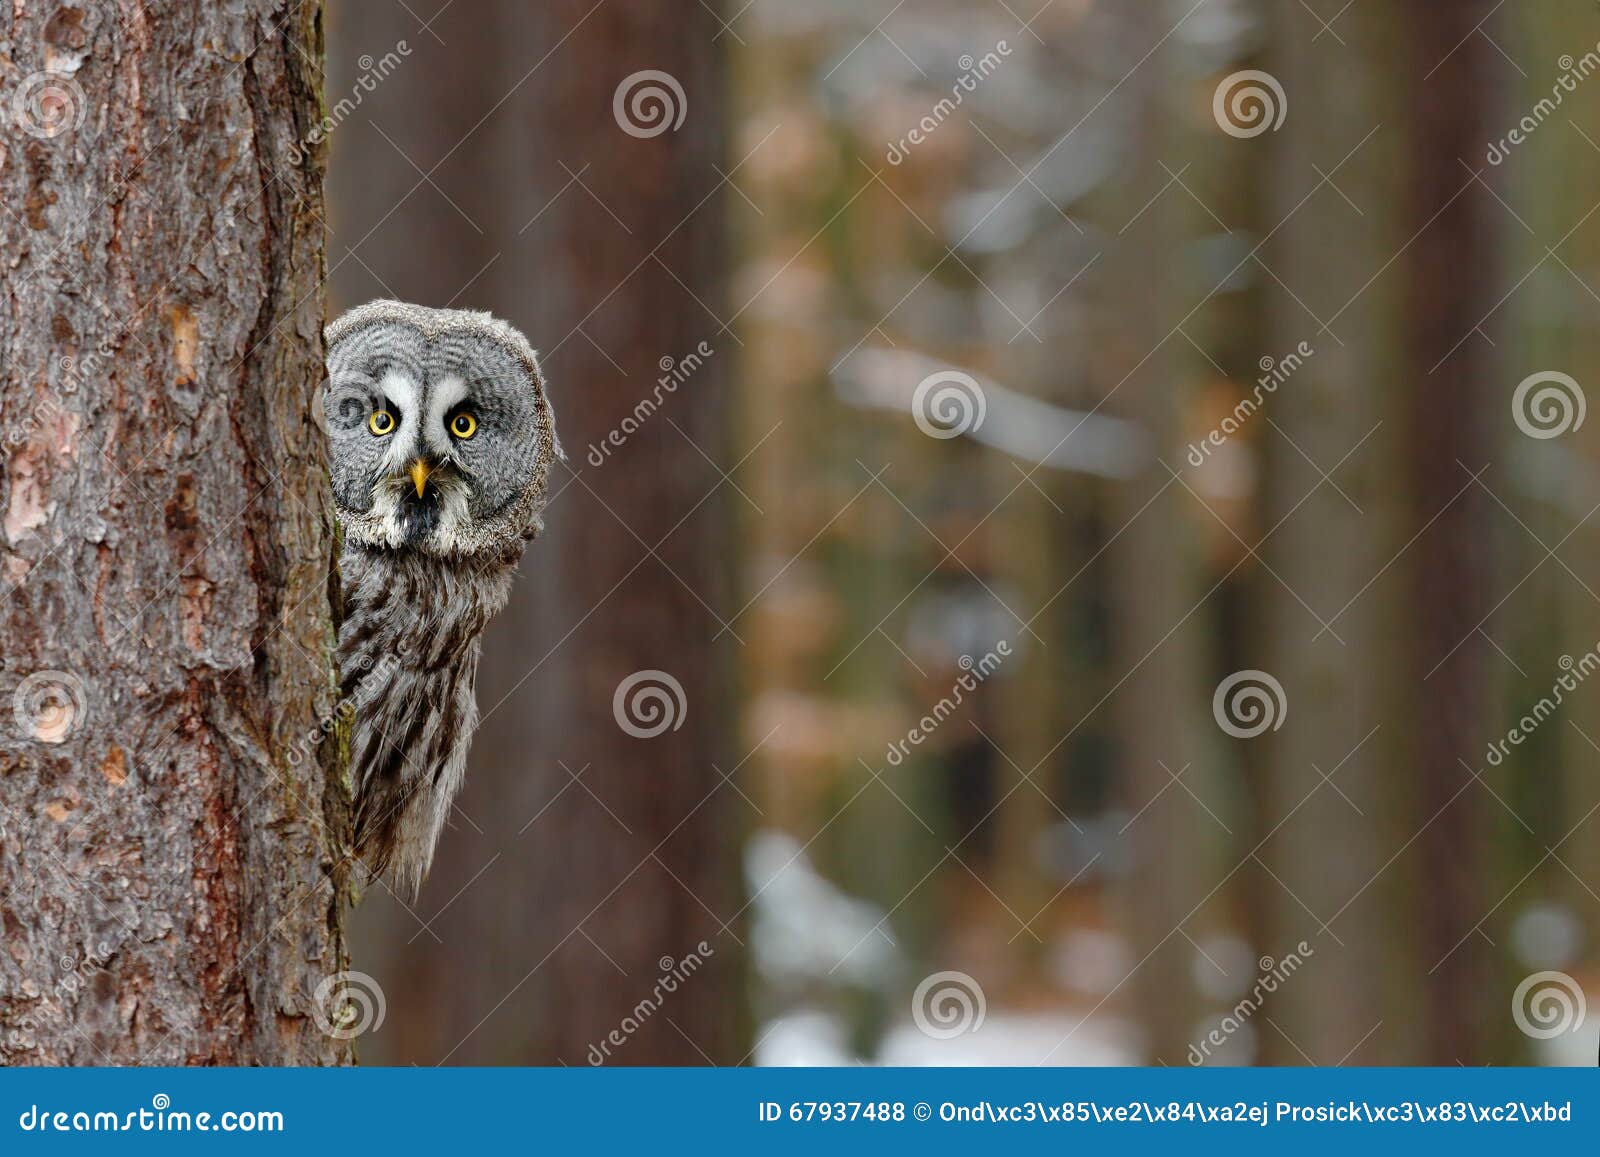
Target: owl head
[(441, 430)]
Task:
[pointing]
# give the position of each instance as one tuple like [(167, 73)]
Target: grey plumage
[(436, 509)]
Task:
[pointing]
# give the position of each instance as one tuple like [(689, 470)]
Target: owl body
[(441, 439)]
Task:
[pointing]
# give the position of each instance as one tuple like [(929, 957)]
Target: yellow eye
[(381, 422), (463, 425)]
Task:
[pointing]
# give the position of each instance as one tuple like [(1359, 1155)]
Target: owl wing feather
[(409, 650)]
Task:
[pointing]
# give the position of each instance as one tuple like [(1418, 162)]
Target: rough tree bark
[(169, 804)]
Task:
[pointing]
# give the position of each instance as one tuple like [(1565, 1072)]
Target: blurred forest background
[(959, 774)]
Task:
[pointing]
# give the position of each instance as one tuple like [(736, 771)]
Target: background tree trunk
[(553, 903), (637, 863), (169, 812), (1324, 843), (1452, 271), (1154, 557), (393, 234)]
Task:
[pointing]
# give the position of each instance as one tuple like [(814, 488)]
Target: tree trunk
[(1154, 558), (1324, 843), (1451, 272), (170, 808), (553, 904), (394, 235), (637, 865)]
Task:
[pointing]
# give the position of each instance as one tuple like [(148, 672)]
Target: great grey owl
[(442, 436)]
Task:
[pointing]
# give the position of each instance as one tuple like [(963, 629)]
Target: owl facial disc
[(441, 430)]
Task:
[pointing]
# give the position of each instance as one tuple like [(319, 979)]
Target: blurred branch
[(1024, 427)]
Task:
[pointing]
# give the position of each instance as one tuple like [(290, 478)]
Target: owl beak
[(419, 471)]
